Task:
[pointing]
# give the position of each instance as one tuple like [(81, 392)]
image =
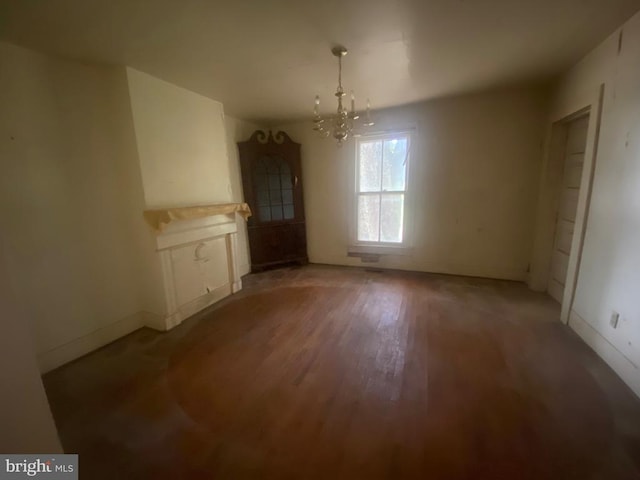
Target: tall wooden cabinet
[(272, 182)]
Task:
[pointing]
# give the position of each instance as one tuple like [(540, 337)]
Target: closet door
[(272, 181), (566, 216)]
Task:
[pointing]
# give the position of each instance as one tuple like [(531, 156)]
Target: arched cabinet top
[(268, 142)]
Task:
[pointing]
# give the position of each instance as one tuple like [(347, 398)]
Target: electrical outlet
[(615, 316)]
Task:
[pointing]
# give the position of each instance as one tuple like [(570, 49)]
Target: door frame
[(549, 198)]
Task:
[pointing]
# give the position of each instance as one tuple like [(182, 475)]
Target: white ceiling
[(266, 59)]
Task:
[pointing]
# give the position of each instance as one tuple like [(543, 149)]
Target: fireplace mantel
[(198, 255), (161, 217)]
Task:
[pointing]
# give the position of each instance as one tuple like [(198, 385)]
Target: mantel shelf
[(161, 217)]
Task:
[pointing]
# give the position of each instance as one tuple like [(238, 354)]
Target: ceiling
[(266, 59)]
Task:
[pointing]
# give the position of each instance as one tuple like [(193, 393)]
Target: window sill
[(358, 250)]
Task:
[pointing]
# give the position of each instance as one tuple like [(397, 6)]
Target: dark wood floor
[(323, 372)]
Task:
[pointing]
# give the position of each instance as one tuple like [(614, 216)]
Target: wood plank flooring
[(327, 372)]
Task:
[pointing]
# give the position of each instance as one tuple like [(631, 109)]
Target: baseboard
[(516, 275), (152, 320), (621, 364), (98, 338)]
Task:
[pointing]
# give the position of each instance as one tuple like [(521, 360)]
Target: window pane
[(276, 197), (370, 166), (368, 218), (264, 214), (285, 175), (286, 181), (285, 171), (288, 212), (287, 196), (260, 180), (273, 165), (276, 213), (274, 182), (394, 166), (391, 214), (262, 197), (260, 176)]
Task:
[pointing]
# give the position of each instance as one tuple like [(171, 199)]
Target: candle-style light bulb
[(353, 102), (316, 106), (369, 122)]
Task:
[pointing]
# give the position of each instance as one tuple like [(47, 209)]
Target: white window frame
[(368, 247)]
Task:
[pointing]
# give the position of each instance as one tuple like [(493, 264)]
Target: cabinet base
[(280, 264)]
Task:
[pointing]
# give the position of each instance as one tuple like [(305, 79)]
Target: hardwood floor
[(323, 372)]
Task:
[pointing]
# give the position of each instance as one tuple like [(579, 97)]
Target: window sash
[(379, 229)]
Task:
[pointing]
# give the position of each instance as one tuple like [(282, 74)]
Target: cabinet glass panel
[(276, 213), (276, 197), (285, 175), (264, 214), (273, 165), (273, 184), (289, 212), (260, 175), (262, 197)]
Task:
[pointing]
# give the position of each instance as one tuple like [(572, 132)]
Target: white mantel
[(199, 261)]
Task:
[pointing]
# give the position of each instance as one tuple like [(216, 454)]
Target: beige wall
[(609, 275), (84, 150), (70, 189), (238, 131), (181, 144), (473, 176), (27, 424)]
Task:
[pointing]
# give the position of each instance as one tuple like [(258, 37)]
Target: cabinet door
[(265, 243), (271, 244), (273, 185)]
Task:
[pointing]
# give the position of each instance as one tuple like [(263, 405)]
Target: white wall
[(182, 144), (238, 131), (609, 275), (70, 199), (474, 176)]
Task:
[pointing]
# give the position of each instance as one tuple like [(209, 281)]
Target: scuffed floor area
[(328, 372)]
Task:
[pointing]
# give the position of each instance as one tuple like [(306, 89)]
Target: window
[(381, 187)]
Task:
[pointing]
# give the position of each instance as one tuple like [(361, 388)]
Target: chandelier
[(341, 124)]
